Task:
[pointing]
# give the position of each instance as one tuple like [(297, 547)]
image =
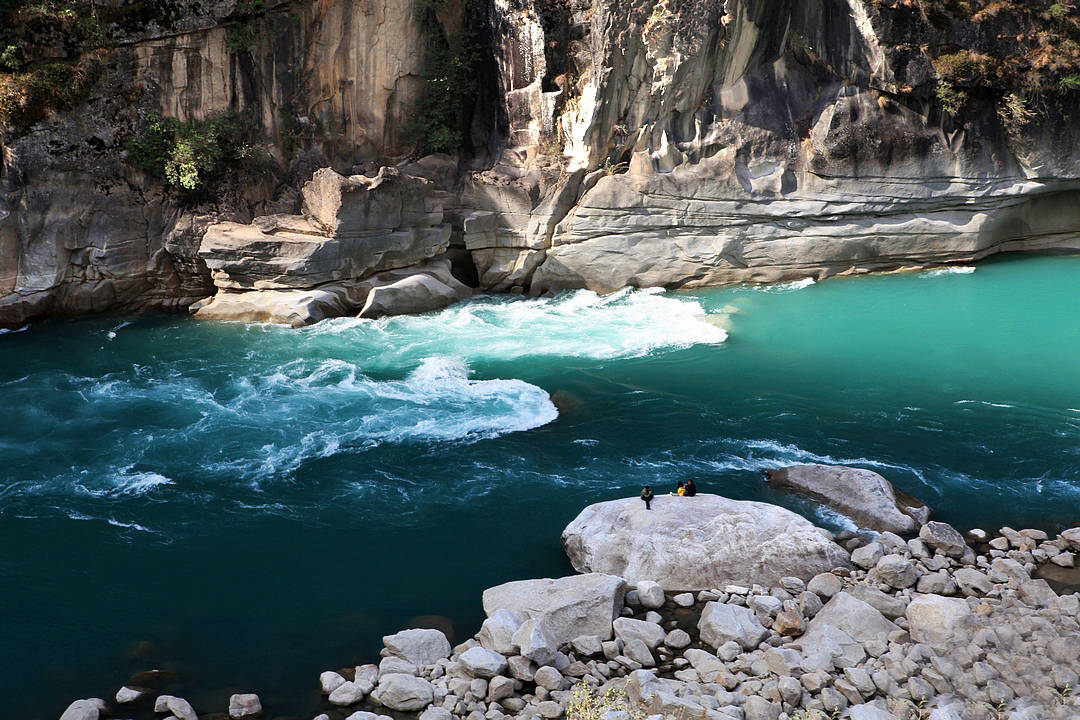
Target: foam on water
[(951, 270), (581, 324)]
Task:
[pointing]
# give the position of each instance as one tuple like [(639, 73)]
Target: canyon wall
[(603, 143)]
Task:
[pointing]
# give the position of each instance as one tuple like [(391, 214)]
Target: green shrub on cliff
[(193, 155), (438, 118)]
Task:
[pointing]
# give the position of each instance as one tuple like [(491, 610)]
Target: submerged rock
[(865, 497), (698, 543)]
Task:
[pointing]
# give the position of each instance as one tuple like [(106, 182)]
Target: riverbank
[(938, 625)]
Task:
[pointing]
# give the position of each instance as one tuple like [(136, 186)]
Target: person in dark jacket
[(691, 488), (647, 496)]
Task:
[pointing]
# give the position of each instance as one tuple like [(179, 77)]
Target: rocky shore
[(725, 610)]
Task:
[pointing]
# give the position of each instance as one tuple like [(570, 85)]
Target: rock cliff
[(589, 143)]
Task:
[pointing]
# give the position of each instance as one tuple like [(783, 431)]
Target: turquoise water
[(250, 505)]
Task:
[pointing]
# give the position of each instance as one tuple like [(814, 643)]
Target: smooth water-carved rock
[(864, 496), (698, 543)]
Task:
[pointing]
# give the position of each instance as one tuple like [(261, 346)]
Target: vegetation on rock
[(28, 96), (196, 155), (437, 122)]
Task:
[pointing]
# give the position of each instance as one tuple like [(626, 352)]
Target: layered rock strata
[(363, 245), (678, 143)]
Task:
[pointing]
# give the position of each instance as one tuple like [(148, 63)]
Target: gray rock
[(549, 709), (972, 582), (651, 594), (480, 662), (862, 495), (127, 694), (497, 631), (348, 693), (398, 691), (394, 664), (587, 645), (1037, 593), (1072, 537), (81, 710), (567, 607), (1004, 570), (845, 612), (179, 707), (536, 643), (758, 708), (867, 556), (330, 681), (245, 705), (891, 606), (938, 621), (639, 652), (698, 543), (436, 713), (825, 585), (943, 537), (783, 661), (709, 667), (521, 668), (896, 571), (684, 599), (677, 639), (721, 623), (418, 646), (500, 688), (627, 629), (550, 678), (939, 583), (865, 711)]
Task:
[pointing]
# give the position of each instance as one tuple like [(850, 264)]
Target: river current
[(248, 505)]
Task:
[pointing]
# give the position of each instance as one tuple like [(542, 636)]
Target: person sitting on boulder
[(647, 496), (682, 489), (691, 488)]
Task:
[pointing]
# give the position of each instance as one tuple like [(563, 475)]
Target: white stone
[(482, 663), (651, 594), (627, 629), (938, 621), (698, 543), (404, 692), (567, 607), (420, 646), (721, 623), (244, 705)]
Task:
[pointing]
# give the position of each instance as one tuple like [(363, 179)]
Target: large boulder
[(721, 623), (938, 621), (420, 646), (398, 691), (865, 497), (82, 710), (859, 619), (698, 543), (565, 607)]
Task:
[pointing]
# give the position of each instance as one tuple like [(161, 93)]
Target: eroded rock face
[(698, 543), (300, 269), (613, 143), (351, 227)]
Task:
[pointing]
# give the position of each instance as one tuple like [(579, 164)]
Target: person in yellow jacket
[(682, 489)]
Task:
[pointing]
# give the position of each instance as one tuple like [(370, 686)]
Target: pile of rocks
[(920, 628)]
